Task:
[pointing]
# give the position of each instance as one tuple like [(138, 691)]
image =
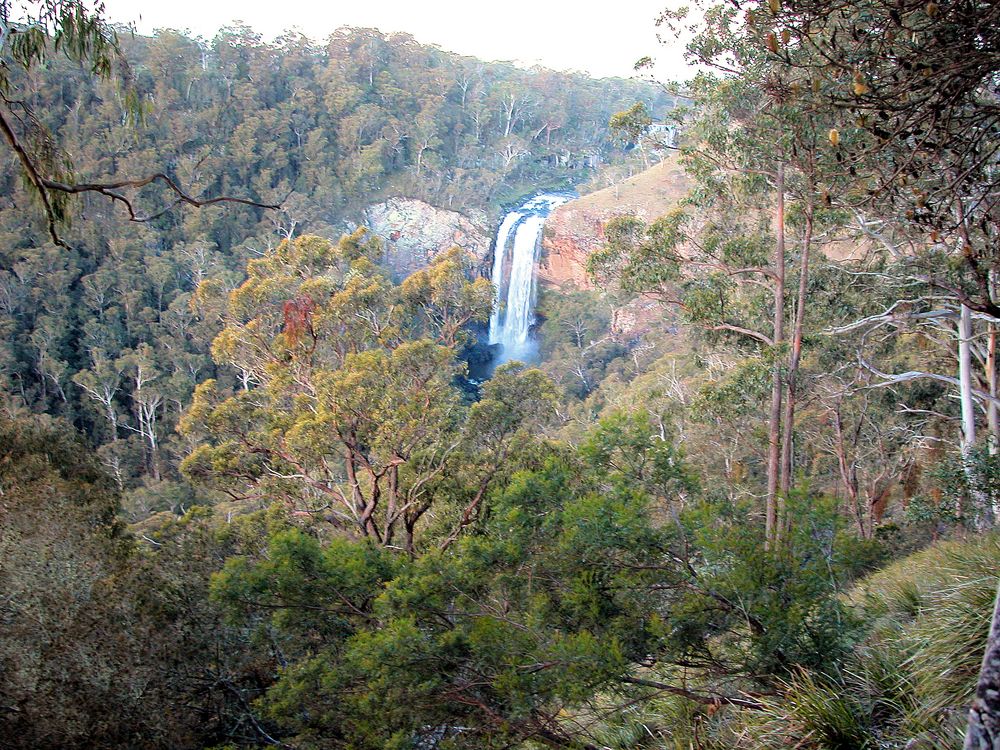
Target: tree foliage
[(349, 406), (327, 128)]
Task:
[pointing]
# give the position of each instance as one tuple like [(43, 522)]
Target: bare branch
[(109, 188), (706, 699), (44, 186), (890, 316), (34, 178), (742, 331), (889, 380)]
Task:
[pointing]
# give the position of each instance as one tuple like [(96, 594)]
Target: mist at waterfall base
[(518, 242)]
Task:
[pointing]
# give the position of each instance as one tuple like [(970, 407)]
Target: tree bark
[(794, 358), (777, 384), (968, 404), (965, 379), (391, 516), (848, 473), (983, 732), (992, 411)]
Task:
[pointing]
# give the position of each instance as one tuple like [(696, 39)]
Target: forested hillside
[(102, 332), (745, 495)]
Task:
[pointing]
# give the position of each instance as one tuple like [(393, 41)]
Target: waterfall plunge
[(518, 240)]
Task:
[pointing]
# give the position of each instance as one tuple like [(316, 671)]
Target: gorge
[(413, 401)]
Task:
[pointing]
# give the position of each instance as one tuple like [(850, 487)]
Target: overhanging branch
[(109, 188), (889, 380), (889, 315), (44, 186)]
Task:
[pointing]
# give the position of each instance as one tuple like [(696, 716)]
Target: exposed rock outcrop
[(415, 232), (576, 229)]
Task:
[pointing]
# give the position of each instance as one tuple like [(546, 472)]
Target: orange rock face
[(570, 236), (575, 230)]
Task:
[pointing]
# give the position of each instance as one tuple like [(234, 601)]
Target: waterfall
[(499, 254), (517, 244)]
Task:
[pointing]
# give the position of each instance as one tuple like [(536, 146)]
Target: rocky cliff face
[(576, 229), (415, 232), (571, 235)]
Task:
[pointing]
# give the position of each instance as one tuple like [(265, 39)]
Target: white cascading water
[(516, 253), (499, 254)]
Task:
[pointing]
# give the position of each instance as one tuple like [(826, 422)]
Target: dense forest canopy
[(102, 332), (746, 496)]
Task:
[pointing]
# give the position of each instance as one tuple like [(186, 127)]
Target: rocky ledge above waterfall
[(576, 229), (415, 232)]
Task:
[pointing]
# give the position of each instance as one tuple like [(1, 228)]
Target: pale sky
[(601, 38)]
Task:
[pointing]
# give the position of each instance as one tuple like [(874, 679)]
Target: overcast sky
[(600, 38)]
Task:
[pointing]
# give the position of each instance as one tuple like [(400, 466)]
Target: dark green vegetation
[(744, 501)]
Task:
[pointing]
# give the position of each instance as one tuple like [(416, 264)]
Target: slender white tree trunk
[(968, 443), (777, 376), (965, 379), (992, 411)]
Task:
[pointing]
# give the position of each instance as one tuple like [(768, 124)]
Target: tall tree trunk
[(389, 528), (992, 411), (983, 732), (965, 379), (983, 510), (794, 358), (363, 508), (968, 443), (777, 383)]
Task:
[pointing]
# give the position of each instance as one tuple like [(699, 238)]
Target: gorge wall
[(576, 229), (414, 233)]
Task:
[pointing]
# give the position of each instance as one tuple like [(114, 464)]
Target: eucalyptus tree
[(921, 80), (231, 116), (914, 89), (572, 606), (349, 409), (756, 143)]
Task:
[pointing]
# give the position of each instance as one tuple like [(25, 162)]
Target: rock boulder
[(415, 232)]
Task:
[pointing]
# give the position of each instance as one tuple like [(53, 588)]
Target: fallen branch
[(703, 698)]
